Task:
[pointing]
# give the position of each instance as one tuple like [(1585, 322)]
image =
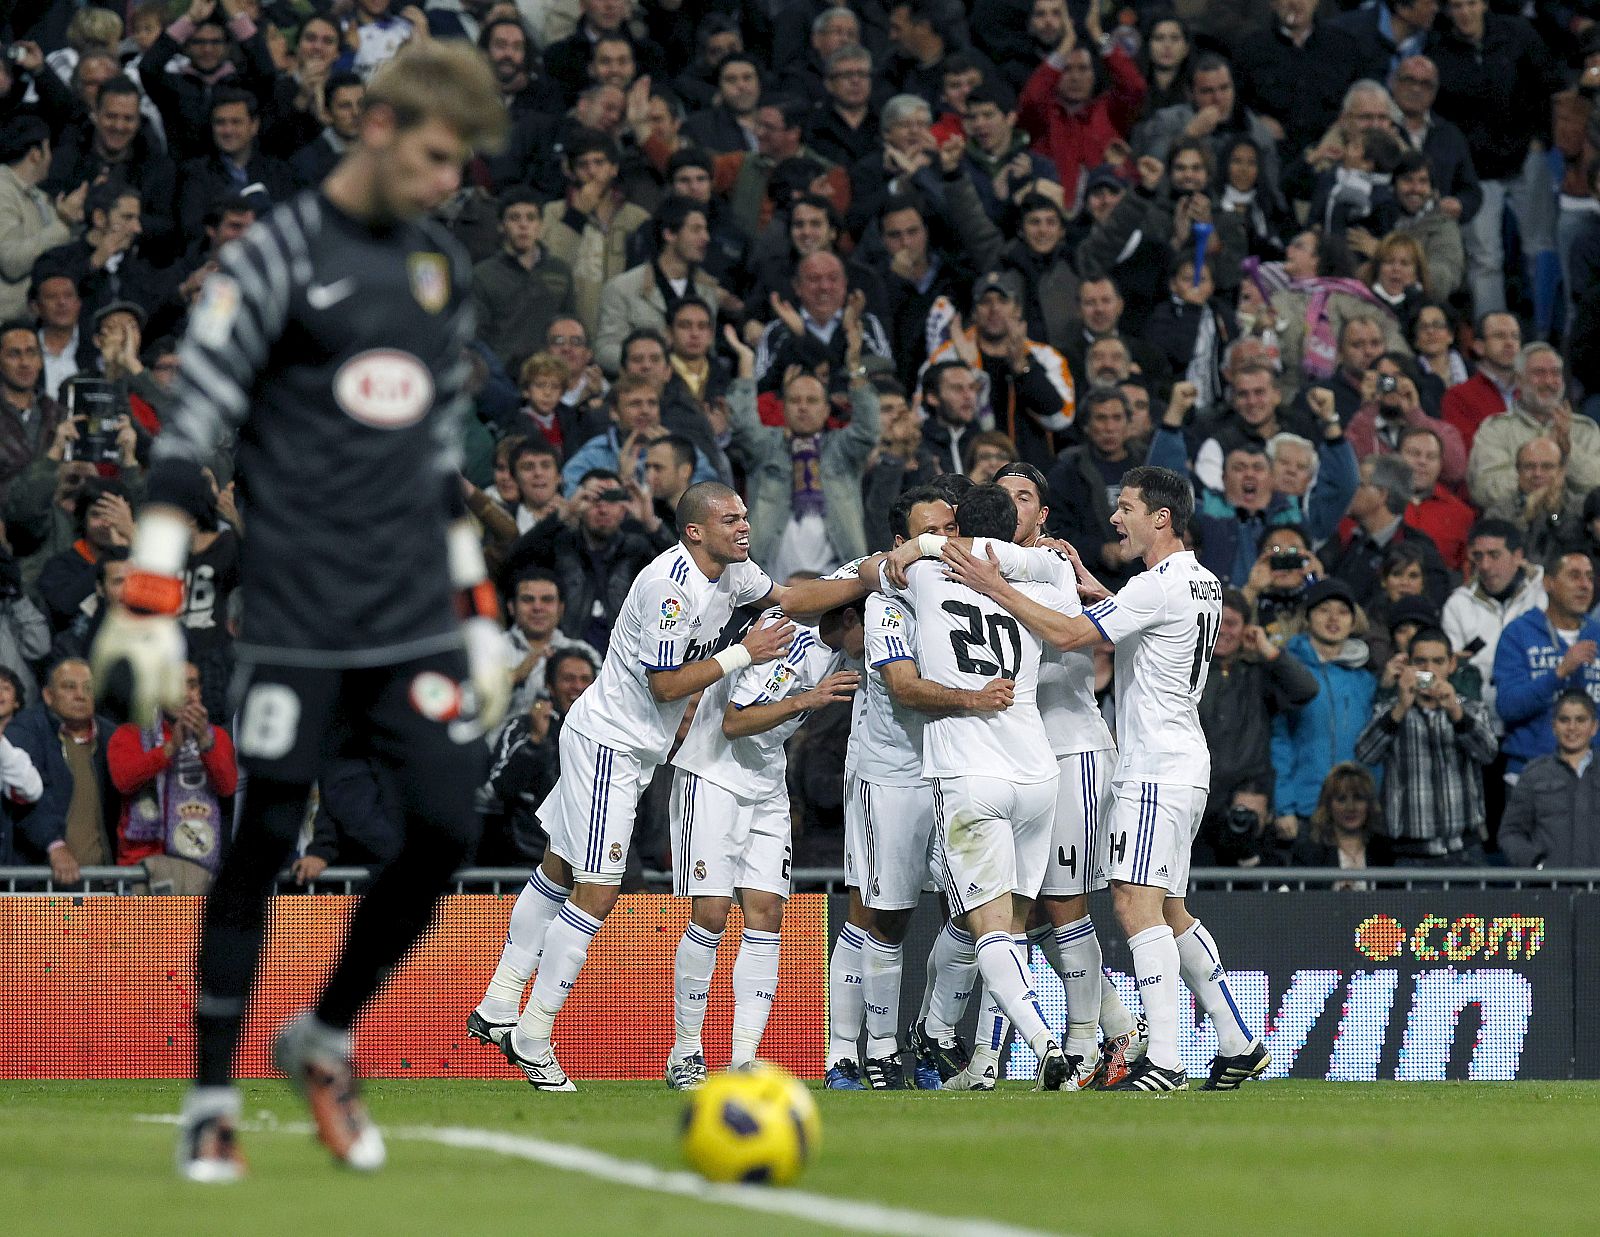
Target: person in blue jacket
[(1543, 653), (1308, 741)]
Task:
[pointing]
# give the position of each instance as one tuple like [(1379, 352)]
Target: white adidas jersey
[(885, 738), (673, 615), (966, 641), (754, 767), (1071, 714), (1164, 623)]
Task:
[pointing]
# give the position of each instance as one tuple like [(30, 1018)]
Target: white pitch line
[(848, 1214)]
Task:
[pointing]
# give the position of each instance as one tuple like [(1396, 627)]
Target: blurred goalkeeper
[(330, 342)]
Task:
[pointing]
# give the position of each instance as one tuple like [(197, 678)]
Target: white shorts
[(1150, 831), (1077, 838), (889, 842), (721, 842), (996, 837), (589, 815)]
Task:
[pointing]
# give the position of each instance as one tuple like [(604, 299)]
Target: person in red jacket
[(173, 778), (1488, 392), (1080, 101)]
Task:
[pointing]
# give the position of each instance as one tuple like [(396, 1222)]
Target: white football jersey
[(673, 615), (1071, 714), (966, 641), (885, 738), (1164, 623), (754, 767)]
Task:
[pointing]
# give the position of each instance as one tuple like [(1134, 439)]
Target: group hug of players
[(978, 764)]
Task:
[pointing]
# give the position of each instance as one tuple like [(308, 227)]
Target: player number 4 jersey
[(673, 615), (1164, 623)]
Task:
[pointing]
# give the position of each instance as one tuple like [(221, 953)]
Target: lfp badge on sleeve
[(430, 280)]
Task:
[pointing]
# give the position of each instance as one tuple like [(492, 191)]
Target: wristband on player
[(475, 593), (160, 546), (732, 659), (931, 545)]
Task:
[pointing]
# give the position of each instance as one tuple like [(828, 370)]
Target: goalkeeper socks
[(691, 986), (1115, 1019), (531, 918), (1074, 951), (1155, 962), (755, 983), (846, 1003), (880, 987), (1006, 976), (952, 966), (1202, 970), (566, 947)]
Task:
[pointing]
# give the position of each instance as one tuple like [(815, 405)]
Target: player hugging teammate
[(978, 765)]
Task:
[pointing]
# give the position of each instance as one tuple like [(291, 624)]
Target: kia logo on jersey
[(384, 388)]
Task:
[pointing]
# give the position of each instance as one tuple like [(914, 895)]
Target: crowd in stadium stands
[(1338, 263)]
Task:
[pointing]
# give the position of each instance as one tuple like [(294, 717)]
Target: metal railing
[(111, 881)]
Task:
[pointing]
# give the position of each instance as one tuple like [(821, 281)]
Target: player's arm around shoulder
[(982, 573), (663, 638), (908, 689)]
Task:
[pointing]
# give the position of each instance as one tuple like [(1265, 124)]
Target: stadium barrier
[(124, 967), (1487, 974)]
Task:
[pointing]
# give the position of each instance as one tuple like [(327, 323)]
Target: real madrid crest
[(430, 280)]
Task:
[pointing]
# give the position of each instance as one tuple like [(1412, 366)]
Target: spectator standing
[(1432, 745), (340, 100), (1080, 101), (1251, 681), (1213, 111), (1552, 816), (1501, 587), (535, 635), (234, 163), (172, 777), (1496, 80), (24, 632), (20, 783), (805, 481), (1541, 408), (1493, 384), (521, 291), (31, 222), (1544, 653), (1543, 508), (1434, 509), (1310, 740), (73, 823), (844, 127), (103, 518)]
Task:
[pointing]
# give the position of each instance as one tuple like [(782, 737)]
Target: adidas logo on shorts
[(1161, 871)]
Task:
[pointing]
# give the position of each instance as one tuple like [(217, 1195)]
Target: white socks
[(755, 983), (531, 917), (1202, 970), (1006, 975), (691, 985), (880, 987), (846, 1007), (1074, 951), (1155, 963), (952, 967), (566, 945)]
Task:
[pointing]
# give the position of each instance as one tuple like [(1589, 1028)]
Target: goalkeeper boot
[(208, 1145), (1148, 1076), (885, 1073), (486, 1032), (686, 1073), (844, 1075), (1228, 1073), (315, 1058), (544, 1072)]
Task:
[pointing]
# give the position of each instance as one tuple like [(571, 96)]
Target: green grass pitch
[(1283, 1157)]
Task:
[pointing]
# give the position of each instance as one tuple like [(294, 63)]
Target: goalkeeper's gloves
[(479, 607), (140, 636)]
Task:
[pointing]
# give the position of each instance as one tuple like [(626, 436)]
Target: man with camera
[(1390, 406), (1432, 745)]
